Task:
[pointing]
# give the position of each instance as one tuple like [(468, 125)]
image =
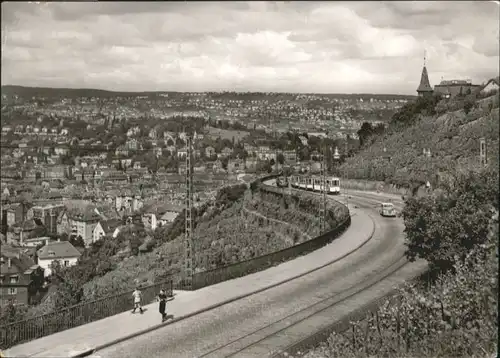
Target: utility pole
[(346, 173), (322, 211), (482, 152), (188, 241)]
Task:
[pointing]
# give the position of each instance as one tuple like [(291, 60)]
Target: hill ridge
[(23, 90)]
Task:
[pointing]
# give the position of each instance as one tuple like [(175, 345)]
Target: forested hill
[(47, 92)]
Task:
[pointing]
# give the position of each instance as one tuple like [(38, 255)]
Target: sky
[(308, 47)]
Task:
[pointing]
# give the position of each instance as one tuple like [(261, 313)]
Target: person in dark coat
[(162, 299)]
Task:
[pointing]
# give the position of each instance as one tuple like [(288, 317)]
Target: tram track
[(246, 343)]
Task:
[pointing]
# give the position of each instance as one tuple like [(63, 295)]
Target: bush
[(452, 221), (468, 104), (409, 113)]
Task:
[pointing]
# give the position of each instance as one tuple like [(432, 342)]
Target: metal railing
[(32, 328)]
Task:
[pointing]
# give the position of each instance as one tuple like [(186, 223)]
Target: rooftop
[(425, 85), (19, 259), (110, 225), (58, 249)]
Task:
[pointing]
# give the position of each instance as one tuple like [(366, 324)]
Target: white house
[(61, 251), (106, 227), (160, 216)]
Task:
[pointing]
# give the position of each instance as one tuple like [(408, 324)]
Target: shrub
[(409, 113), (468, 104), (452, 221)]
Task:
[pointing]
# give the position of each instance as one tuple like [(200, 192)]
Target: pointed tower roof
[(425, 85)]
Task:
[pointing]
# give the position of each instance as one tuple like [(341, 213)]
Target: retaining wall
[(207, 278)]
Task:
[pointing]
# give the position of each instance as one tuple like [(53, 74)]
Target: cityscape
[(265, 178)]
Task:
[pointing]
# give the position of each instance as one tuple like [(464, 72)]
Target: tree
[(468, 104), (452, 221), (304, 154), (365, 132), (254, 186), (281, 158), (77, 241), (72, 279)]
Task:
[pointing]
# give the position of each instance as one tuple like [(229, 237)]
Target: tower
[(188, 240), (424, 89)]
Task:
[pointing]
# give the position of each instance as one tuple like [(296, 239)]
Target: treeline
[(21, 91)]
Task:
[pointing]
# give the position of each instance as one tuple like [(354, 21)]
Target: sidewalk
[(82, 340)]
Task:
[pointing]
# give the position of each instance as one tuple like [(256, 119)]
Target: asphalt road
[(202, 333)]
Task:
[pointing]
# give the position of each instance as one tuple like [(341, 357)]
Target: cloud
[(270, 46)]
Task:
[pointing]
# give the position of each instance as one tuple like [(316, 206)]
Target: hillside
[(451, 134)]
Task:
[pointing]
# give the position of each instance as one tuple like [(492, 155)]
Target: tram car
[(313, 183)]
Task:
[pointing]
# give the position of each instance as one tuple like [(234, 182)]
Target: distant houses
[(159, 215)]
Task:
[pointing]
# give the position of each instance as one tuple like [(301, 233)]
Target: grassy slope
[(453, 139)]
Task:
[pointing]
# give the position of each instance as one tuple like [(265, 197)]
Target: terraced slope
[(452, 137)]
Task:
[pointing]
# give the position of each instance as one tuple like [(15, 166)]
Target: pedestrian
[(137, 294), (162, 298)]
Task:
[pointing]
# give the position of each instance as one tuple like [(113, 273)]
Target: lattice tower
[(188, 241)]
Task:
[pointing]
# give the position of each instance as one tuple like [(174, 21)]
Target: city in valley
[(249, 176), (79, 166)]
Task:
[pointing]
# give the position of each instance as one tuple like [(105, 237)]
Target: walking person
[(137, 294), (162, 298)]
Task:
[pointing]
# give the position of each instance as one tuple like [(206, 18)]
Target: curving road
[(218, 333)]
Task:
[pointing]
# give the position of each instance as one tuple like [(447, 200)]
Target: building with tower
[(453, 88)]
